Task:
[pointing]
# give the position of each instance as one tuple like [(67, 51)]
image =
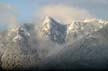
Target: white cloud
[(64, 13), (7, 15)]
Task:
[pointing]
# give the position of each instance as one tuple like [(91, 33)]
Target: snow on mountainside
[(55, 32), (22, 35), (60, 33), (20, 49), (89, 52), (87, 25), (52, 29), (18, 46), (78, 29)]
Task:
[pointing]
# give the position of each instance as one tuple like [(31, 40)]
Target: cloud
[(7, 15), (64, 12)]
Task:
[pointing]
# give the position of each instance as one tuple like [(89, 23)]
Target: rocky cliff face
[(53, 30)]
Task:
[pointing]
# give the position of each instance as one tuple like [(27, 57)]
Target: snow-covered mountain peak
[(84, 27), (47, 19), (50, 20), (47, 24), (21, 33), (87, 23), (52, 29)]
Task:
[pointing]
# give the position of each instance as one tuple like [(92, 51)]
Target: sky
[(63, 9)]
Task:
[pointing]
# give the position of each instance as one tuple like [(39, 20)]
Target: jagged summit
[(45, 26), (90, 24), (47, 19), (84, 27), (53, 30), (21, 34), (78, 28), (50, 20)]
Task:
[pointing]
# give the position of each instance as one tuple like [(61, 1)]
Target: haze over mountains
[(53, 44)]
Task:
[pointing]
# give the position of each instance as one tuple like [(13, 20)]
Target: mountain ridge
[(56, 38)]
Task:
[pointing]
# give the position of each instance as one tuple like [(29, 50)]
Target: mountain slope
[(53, 30), (79, 44), (78, 29), (21, 50), (89, 52)]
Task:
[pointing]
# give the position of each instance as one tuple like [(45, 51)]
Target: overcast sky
[(27, 9)]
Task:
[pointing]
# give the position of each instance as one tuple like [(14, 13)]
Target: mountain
[(20, 49), (78, 44), (53, 30), (78, 29), (60, 33), (90, 52), (22, 38)]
